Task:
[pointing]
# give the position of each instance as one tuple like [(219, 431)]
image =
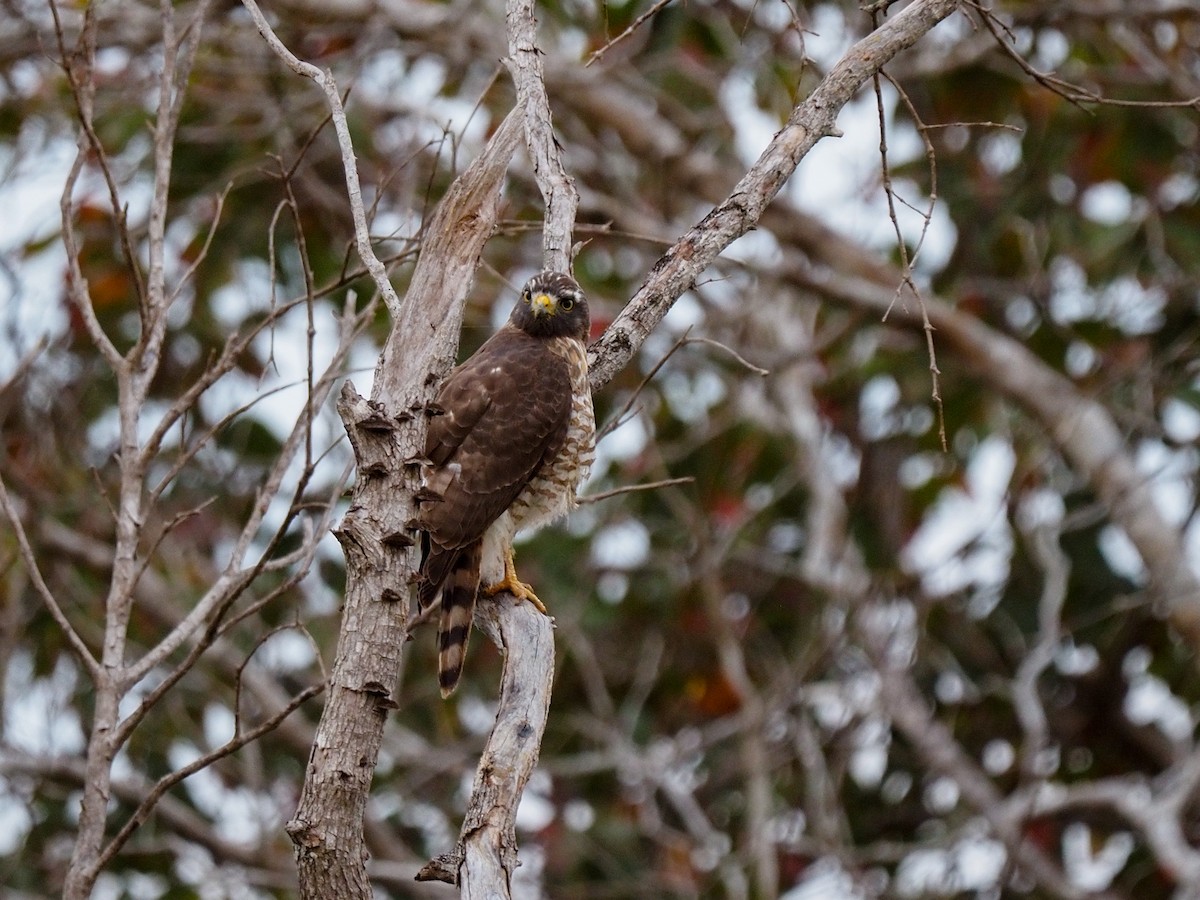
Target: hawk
[(512, 439)]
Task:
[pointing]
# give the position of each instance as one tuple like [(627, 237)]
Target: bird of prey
[(511, 440)]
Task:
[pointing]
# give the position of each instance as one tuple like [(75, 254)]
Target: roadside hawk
[(511, 440)]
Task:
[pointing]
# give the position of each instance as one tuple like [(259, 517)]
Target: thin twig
[(204, 248), (906, 262), (618, 419), (167, 782), (749, 366), (630, 488), (326, 82), (637, 23), (85, 656), (24, 364), (1069, 91), (78, 66), (684, 340)]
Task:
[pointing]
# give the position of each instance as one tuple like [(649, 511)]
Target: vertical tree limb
[(134, 371), (558, 188), (483, 862)]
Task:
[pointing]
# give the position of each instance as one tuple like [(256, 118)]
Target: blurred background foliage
[(718, 728)]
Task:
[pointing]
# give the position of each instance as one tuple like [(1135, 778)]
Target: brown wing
[(506, 413)]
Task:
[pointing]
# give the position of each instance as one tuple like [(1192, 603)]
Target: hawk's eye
[(525, 297), (566, 304)]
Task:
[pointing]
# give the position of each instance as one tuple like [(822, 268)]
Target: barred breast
[(552, 492)]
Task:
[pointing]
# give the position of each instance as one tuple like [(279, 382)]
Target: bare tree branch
[(82, 652), (633, 26), (558, 189), (630, 488), (134, 373), (1026, 699), (237, 574), (164, 784), (483, 862), (811, 120), (324, 79)]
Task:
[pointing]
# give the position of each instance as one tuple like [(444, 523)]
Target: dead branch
[(82, 652), (558, 189), (813, 119), (483, 862)]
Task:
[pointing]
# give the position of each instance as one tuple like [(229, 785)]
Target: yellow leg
[(513, 585)]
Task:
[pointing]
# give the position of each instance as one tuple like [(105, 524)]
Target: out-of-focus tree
[(922, 620)]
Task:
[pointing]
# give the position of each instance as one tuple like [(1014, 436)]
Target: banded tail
[(456, 573)]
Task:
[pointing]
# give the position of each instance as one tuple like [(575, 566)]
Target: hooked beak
[(543, 305)]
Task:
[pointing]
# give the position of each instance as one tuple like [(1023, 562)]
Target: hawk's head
[(552, 305)]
